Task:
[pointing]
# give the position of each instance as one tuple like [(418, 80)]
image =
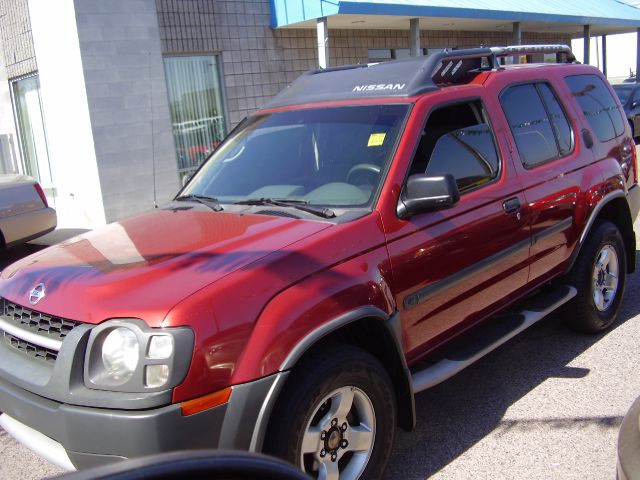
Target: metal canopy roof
[(566, 16)]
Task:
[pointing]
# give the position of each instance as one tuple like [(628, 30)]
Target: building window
[(377, 55), (197, 113), (31, 128)]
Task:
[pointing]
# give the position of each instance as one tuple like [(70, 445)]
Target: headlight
[(120, 354), (161, 346), (128, 356)]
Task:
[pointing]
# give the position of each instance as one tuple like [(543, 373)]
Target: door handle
[(586, 136), (511, 205)]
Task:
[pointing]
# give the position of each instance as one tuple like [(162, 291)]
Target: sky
[(621, 52)]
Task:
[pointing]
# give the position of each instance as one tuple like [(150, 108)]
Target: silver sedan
[(24, 211)]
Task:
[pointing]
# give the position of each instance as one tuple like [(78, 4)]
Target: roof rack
[(405, 78), (559, 50), (449, 67)]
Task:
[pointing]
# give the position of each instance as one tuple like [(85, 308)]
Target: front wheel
[(336, 418), (599, 275)]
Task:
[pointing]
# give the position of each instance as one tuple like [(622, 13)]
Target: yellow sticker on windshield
[(376, 139)]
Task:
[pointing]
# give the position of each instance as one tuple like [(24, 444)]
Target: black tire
[(321, 374), (583, 313)]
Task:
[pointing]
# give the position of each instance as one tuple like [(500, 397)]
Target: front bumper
[(629, 444), (96, 436)]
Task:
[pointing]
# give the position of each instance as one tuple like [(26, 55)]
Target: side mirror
[(425, 194), (186, 177)]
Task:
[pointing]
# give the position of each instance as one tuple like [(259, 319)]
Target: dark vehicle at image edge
[(368, 234), (629, 95)]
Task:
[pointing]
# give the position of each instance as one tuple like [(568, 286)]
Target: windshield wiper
[(210, 202), (302, 205)]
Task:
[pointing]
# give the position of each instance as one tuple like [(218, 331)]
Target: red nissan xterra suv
[(368, 234)]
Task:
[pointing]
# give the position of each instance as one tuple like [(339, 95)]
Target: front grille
[(42, 324), (30, 349)]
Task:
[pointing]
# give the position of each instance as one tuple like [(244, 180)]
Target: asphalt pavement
[(547, 404)]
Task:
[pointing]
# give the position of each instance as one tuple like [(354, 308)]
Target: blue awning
[(575, 12)]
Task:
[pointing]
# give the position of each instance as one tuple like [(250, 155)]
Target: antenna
[(153, 143)]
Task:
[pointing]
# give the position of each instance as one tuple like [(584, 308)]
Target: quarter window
[(598, 106), (458, 140), (538, 123)]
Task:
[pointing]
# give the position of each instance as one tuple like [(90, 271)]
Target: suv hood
[(143, 266)]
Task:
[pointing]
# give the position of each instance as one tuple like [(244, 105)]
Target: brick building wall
[(259, 61), (15, 38)]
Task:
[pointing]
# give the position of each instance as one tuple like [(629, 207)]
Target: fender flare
[(608, 198), (392, 323)]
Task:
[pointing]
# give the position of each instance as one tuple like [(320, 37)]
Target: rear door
[(453, 267), (552, 161)]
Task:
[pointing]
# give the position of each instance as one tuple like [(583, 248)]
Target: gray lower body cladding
[(96, 436)]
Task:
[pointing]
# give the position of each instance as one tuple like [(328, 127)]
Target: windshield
[(322, 156), (623, 93)]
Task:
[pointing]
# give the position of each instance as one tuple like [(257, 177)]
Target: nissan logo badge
[(37, 294)]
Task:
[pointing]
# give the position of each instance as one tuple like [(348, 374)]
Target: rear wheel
[(337, 416), (599, 275)]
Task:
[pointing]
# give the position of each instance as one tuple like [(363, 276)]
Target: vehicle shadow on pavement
[(461, 411), (7, 257)]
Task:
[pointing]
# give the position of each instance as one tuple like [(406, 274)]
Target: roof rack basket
[(450, 66)]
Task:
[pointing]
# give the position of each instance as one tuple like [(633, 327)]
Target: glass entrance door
[(31, 130), (197, 112)]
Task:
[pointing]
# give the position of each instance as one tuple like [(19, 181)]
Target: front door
[(456, 266)]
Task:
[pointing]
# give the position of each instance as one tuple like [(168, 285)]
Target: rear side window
[(538, 123), (559, 121), (598, 106)]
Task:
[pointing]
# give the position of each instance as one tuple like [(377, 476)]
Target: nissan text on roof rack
[(369, 233)]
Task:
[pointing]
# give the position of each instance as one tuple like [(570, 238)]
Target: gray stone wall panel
[(126, 91)]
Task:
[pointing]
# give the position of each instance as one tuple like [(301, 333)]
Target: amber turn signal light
[(200, 404)]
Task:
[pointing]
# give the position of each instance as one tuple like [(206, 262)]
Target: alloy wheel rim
[(339, 437), (605, 277)]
